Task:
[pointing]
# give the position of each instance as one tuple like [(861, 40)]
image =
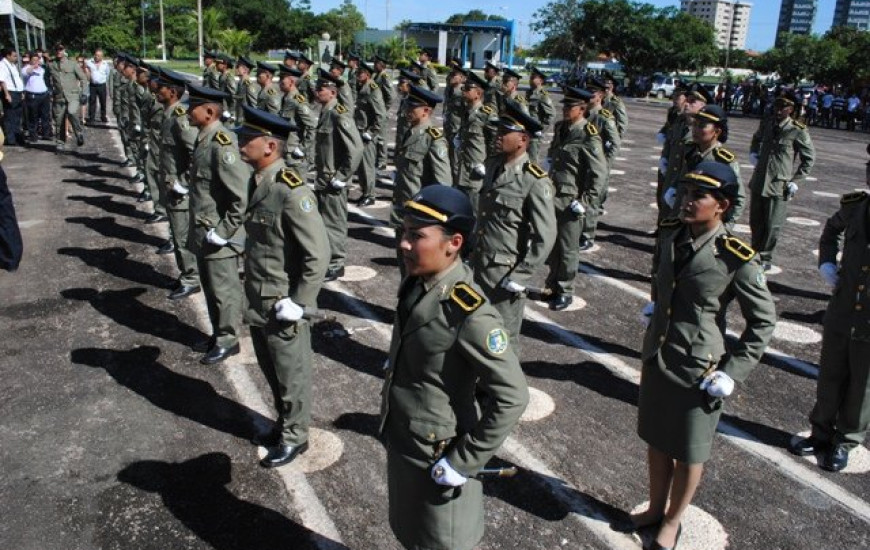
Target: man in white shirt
[(100, 69), (13, 95), (36, 100)]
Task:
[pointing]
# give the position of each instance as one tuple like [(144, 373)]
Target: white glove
[(213, 238), (660, 138), (577, 208), (646, 313), (791, 189), (663, 165), (718, 384), (538, 134), (480, 170), (137, 128), (366, 137), (444, 474), (287, 310), (226, 115), (147, 147), (512, 286), (670, 196), (829, 274), (180, 189), (456, 141), (297, 153), (337, 184), (753, 159)]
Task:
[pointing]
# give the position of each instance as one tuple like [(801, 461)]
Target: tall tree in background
[(344, 22), (473, 15)]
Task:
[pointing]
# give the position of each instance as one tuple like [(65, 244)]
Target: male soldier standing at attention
[(145, 103), (385, 85), (154, 128), (176, 153), (776, 143), (577, 166), (68, 82), (509, 91), (247, 89), (338, 151), (352, 70), (218, 200), (540, 106), (133, 94), (268, 98), (286, 256), (454, 113), (471, 141), (614, 104), (428, 74), (406, 79), (516, 220), (296, 110), (345, 96), (493, 84), (304, 84), (209, 73), (119, 83), (227, 84), (370, 116)]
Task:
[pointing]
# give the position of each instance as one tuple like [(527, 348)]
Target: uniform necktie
[(409, 300), (682, 255)]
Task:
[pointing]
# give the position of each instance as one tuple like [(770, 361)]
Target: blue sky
[(762, 30)]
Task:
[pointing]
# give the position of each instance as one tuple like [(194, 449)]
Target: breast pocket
[(259, 224), (508, 207)]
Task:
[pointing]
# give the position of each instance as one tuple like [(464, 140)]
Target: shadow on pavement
[(626, 230), (333, 340), (96, 171), (108, 227), (779, 288), (106, 203), (619, 273), (587, 374), (623, 241), (361, 423), (338, 302), (103, 187), (534, 329), (115, 261), (368, 234)]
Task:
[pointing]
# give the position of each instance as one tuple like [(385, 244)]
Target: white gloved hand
[(577, 207), (670, 196), (660, 138), (718, 384), (297, 153), (456, 141), (663, 165), (288, 310), (538, 134), (753, 159), (213, 238), (791, 189), (366, 137), (829, 274), (147, 147), (444, 474), (512, 286), (180, 189), (479, 169), (137, 128), (337, 184), (647, 312)]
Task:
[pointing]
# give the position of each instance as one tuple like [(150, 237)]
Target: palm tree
[(213, 20), (235, 42)]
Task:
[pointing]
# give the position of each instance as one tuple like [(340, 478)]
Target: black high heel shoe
[(656, 546)]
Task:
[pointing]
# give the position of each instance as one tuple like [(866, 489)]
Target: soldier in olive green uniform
[(577, 166), (509, 91), (119, 82), (134, 96), (540, 106), (218, 200), (686, 368), (516, 220), (305, 85), (493, 84), (370, 116), (210, 73), (247, 88), (454, 114), (471, 141), (352, 70), (428, 73), (615, 105), (177, 140), (345, 96), (385, 85), (296, 109), (406, 79), (286, 256), (154, 127), (775, 145), (145, 104), (448, 345), (338, 151), (269, 96), (68, 82), (227, 84), (841, 415)]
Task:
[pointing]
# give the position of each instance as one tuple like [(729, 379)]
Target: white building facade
[(729, 18)]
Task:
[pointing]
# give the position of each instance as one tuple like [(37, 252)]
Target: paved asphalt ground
[(113, 436)]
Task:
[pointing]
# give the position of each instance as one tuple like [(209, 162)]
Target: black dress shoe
[(656, 546), (282, 454), (80, 140), (333, 273), (366, 201), (561, 301), (166, 248), (144, 196), (204, 345), (836, 458), (218, 353), (586, 245), (183, 292), (156, 218), (808, 446)]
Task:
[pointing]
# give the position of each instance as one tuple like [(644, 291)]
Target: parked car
[(663, 86)]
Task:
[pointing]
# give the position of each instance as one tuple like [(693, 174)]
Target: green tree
[(395, 49), (856, 68), (802, 57), (473, 15), (213, 21), (344, 22), (235, 42), (275, 23)]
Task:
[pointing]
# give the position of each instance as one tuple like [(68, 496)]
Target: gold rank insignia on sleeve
[(488, 109), (270, 91), (300, 98), (436, 133), (850, 198), (535, 170), (340, 109), (724, 155), (223, 138), (290, 177), (606, 114), (466, 297), (373, 85), (670, 222), (179, 111), (545, 93), (739, 248), (591, 129), (799, 124)]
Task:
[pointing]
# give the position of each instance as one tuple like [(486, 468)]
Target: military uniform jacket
[(370, 114), (616, 106), (218, 191), (177, 139), (67, 80), (156, 114), (454, 111), (210, 76), (472, 148), (287, 250), (677, 142), (338, 146), (687, 302), (717, 153), (269, 99), (116, 81), (295, 107), (492, 93), (578, 166), (516, 220), (145, 102), (777, 145), (421, 160), (305, 87), (135, 101), (605, 122), (848, 230), (247, 91), (346, 96), (352, 82), (227, 83), (385, 84), (540, 105), (452, 342), (430, 76)]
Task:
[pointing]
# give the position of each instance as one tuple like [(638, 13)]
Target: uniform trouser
[(152, 176), (366, 172), (125, 141), (64, 110), (179, 225), (38, 108), (284, 354), (97, 92), (509, 304), (223, 297), (381, 146), (842, 410), (594, 210), (766, 217), (333, 210), (473, 194), (12, 112), (453, 155), (565, 256)]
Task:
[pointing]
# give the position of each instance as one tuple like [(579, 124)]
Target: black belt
[(35, 93)]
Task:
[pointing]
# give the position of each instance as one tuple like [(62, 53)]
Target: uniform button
[(661, 338), (860, 287), (431, 436), (858, 307), (669, 311)]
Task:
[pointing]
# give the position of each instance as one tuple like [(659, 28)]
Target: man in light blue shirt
[(36, 100), (100, 69)]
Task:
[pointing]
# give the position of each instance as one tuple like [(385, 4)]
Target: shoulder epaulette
[(799, 124), (606, 113), (270, 91), (290, 177), (545, 92), (466, 297), (436, 133), (373, 85), (488, 109), (615, 98), (724, 155), (179, 111), (850, 198), (340, 109), (307, 77), (223, 138), (591, 129), (535, 170), (300, 98), (521, 99), (738, 248), (670, 222)]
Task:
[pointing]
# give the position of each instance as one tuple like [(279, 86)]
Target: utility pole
[(162, 33), (199, 29), (142, 6)]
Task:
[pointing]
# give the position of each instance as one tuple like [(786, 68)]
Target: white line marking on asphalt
[(803, 221), (810, 178), (793, 332), (621, 159), (653, 184), (27, 224), (826, 194), (618, 172)]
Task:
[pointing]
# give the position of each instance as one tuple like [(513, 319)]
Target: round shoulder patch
[(306, 204), (229, 157), (497, 341)]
